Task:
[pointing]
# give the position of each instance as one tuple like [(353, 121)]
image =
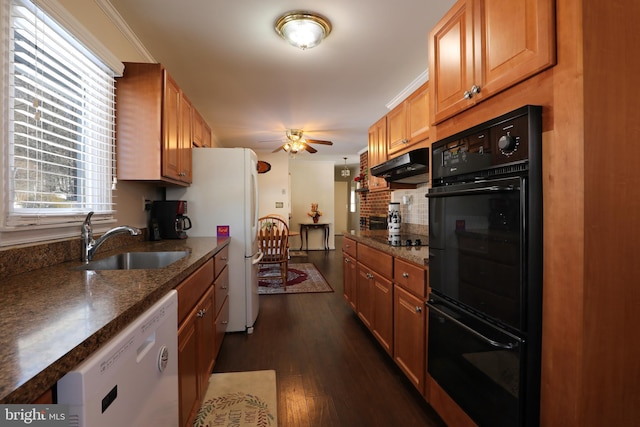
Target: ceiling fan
[(296, 143)]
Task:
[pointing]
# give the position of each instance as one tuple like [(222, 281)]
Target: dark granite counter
[(415, 254), (55, 317)]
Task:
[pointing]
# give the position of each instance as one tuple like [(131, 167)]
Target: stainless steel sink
[(135, 261)]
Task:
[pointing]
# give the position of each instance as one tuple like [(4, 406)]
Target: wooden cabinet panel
[(221, 325), (411, 276), (221, 286), (206, 330), (408, 123), (221, 259), (171, 129), (192, 288), (409, 335), (364, 295), (451, 61), (377, 153), (349, 246), (382, 326), (350, 280), (154, 122), (379, 261), (473, 55), (188, 370)]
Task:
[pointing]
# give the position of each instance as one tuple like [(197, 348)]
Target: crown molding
[(124, 28), (415, 84)]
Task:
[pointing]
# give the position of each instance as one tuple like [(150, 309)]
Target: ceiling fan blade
[(310, 149), (278, 149), (319, 141)]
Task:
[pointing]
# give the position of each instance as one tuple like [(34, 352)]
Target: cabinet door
[(350, 279), (383, 311), (206, 332), (364, 295), (451, 61), (171, 135), (418, 115), (397, 129), (221, 325), (513, 52), (377, 152), (482, 47), (198, 130), (186, 139), (409, 334), (188, 369)]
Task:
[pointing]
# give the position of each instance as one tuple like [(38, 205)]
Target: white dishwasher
[(133, 379)]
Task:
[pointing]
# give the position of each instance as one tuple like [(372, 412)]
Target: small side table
[(304, 233)]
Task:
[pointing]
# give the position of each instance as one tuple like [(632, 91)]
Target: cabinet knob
[(347, 260), (405, 275), (225, 322), (201, 313), (418, 309), (468, 94), (405, 141), (224, 258)]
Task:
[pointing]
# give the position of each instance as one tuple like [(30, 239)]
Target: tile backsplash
[(414, 206)]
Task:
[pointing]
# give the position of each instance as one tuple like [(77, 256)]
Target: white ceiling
[(250, 85)]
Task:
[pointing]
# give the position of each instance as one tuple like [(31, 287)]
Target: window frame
[(37, 228)]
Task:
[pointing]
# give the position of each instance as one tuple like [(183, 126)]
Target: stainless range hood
[(408, 168)]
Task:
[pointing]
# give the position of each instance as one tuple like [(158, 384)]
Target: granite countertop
[(416, 254), (53, 318)]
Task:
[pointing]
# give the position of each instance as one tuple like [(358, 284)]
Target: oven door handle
[(488, 340), (482, 190)]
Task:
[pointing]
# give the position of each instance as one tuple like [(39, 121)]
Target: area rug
[(301, 278), (240, 399), (297, 253)]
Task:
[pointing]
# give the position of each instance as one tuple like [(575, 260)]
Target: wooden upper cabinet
[(482, 47), (408, 123), (201, 131), (153, 126), (377, 152)]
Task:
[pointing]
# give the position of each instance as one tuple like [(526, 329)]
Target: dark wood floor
[(330, 370)]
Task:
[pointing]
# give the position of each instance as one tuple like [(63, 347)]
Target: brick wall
[(372, 202)]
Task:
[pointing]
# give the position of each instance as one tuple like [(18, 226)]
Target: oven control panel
[(502, 141)]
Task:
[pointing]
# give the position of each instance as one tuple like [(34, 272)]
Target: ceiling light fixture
[(303, 30), (345, 172)]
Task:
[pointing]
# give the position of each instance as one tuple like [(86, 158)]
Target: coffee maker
[(171, 218)]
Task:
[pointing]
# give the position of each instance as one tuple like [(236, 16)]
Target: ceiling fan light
[(303, 30)]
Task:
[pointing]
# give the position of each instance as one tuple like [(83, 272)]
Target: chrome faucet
[(90, 246)]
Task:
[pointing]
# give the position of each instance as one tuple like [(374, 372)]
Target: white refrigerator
[(224, 192)]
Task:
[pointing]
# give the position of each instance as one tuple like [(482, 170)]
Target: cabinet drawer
[(222, 288), (378, 261), (192, 289), (221, 260), (410, 276), (349, 247)]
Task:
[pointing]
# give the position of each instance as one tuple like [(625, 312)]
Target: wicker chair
[(273, 239)]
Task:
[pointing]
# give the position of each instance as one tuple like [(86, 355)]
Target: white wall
[(273, 186), (312, 182)]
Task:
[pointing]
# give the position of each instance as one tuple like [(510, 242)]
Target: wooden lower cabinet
[(204, 296), (350, 280), (188, 369), (374, 304), (409, 334)]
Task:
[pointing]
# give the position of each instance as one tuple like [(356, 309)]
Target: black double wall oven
[(485, 267)]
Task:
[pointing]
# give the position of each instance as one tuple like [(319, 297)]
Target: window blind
[(61, 117)]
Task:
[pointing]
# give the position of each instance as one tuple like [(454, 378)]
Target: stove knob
[(418, 242), (408, 242), (507, 143)]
